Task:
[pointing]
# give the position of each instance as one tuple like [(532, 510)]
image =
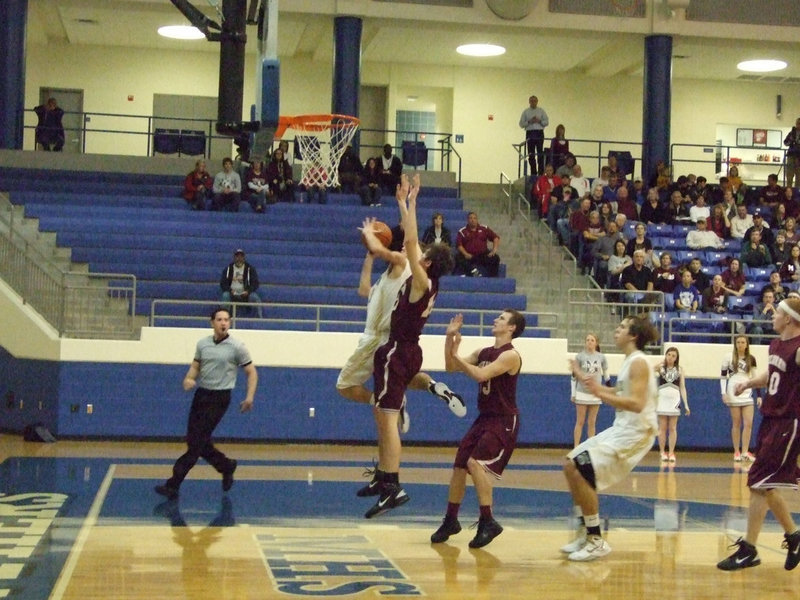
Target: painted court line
[(77, 548)]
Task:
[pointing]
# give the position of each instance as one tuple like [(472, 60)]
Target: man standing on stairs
[(473, 251)]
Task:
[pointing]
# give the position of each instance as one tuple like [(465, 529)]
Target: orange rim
[(316, 122)]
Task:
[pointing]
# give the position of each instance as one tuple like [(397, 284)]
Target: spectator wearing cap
[(767, 237), (239, 282), (701, 237)]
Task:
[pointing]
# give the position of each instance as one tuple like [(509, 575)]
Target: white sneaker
[(404, 419), (595, 547), (576, 544), (454, 402)]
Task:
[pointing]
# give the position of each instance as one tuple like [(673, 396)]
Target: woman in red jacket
[(197, 187), (541, 191)]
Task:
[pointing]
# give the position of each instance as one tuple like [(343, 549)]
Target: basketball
[(383, 232)]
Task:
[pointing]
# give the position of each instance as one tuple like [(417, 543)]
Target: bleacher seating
[(305, 254)]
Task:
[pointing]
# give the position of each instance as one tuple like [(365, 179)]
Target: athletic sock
[(486, 512), (452, 510), (391, 478), (592, 524)]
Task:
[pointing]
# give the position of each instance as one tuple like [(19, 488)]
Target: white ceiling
[(397, 31)]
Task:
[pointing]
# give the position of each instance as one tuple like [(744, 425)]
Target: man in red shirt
[(473, 248)]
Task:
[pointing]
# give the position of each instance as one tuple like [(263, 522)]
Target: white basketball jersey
[(382, 297), (645, 420)]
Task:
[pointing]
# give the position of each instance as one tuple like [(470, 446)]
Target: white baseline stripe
[(77, 548)]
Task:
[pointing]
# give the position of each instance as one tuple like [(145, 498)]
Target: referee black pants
[(208, 408)]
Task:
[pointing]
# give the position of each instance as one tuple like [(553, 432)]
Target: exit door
[(71, 102)]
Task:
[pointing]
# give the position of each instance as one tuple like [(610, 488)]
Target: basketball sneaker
[(737, 457), (446, 529), (454, 402), (488, 529), (594, 548), (791, 541), (745, 556), (373, 488), (671, 458), (748, 456), (392, 496), (664, 457), (576, 544), (227, 476), (404, 419)]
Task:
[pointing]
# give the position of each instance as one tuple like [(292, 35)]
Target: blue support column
[(657, 109), (13, 20), (346, 67)]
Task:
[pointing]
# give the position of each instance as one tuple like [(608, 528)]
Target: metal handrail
[(722, 156), (594, 153), (509, 190)]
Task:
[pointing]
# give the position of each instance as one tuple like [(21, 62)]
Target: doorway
[(71, 102)]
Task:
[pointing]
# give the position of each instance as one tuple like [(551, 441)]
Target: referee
[(213, 371)]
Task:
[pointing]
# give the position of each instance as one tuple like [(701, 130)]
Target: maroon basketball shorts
[(490, 441), (395, 366), (777, 448)]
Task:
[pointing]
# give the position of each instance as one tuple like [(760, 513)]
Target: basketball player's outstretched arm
[(407, 203), (376, 248)]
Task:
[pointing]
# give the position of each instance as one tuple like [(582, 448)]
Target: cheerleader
[(671, 391), (593, 363), (739, 367)]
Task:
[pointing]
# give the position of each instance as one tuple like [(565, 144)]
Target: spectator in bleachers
[(625, 205), (603, 179), (778, 218), (534, 120), (637, 278), (741, 222), (313, 185), (559, 147), (718, 222), (677, 210), (577, 224), (715, 298), (762, 315), (227, 188), (541, 192), (473, 248), (729, 204), (621, 219), (437, 233), (686, 296), (759, 225), (700, 188), (603, 249), (771, 194), (755, 253), (50, 130), (610, 190), (638, 192), (733, 278), (790, 269), (617, 263), (257, 187), (716, 193), (701, 237), (391, 168), (606, 213), (579, 182), (738, 187), (198, 186), (563, 202), (790, 227), (283, 146), (613, 167), (699, 279), (370, 190), (640, 241), (792, 140), (594, 231), (239, 282), (789, 202), (568, 168), (280, 177), (350, 169), (700, 210), (776, 285), (780, 249), (665, 275), (652, 212)]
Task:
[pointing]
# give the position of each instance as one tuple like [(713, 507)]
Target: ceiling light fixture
[(181, 32), (481, 50), (761, 66)]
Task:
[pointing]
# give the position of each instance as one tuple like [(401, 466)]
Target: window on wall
[(414, 126)]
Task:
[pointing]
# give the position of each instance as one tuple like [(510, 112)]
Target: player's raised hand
[(367, 226), (455, 325), (412, 195), (401, 193)]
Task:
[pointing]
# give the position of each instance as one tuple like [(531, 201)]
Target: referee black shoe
[(791, 542), (446, 529), (745, 556), (392, 496)]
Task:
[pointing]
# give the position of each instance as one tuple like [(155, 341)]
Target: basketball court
[(81, 520)]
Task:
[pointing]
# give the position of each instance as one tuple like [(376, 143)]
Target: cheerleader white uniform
[(669, 392), (733, 374), (594, 364)]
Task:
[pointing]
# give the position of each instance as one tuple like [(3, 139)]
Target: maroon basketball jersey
[(783, 385), (409, 318), (498, 396)]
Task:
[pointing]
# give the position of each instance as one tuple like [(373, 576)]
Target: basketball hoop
[(322, 140)]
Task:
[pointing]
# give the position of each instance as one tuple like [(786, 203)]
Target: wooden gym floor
[(80, 520)]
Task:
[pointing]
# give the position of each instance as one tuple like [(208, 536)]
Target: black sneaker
[(488, 529), (791, 541), (391, 497), (227, 477), (169, 492), (454, 402), (446, 529), (373, 488), (745, 556)]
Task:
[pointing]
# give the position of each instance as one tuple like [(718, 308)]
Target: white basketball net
[(322, 140)]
